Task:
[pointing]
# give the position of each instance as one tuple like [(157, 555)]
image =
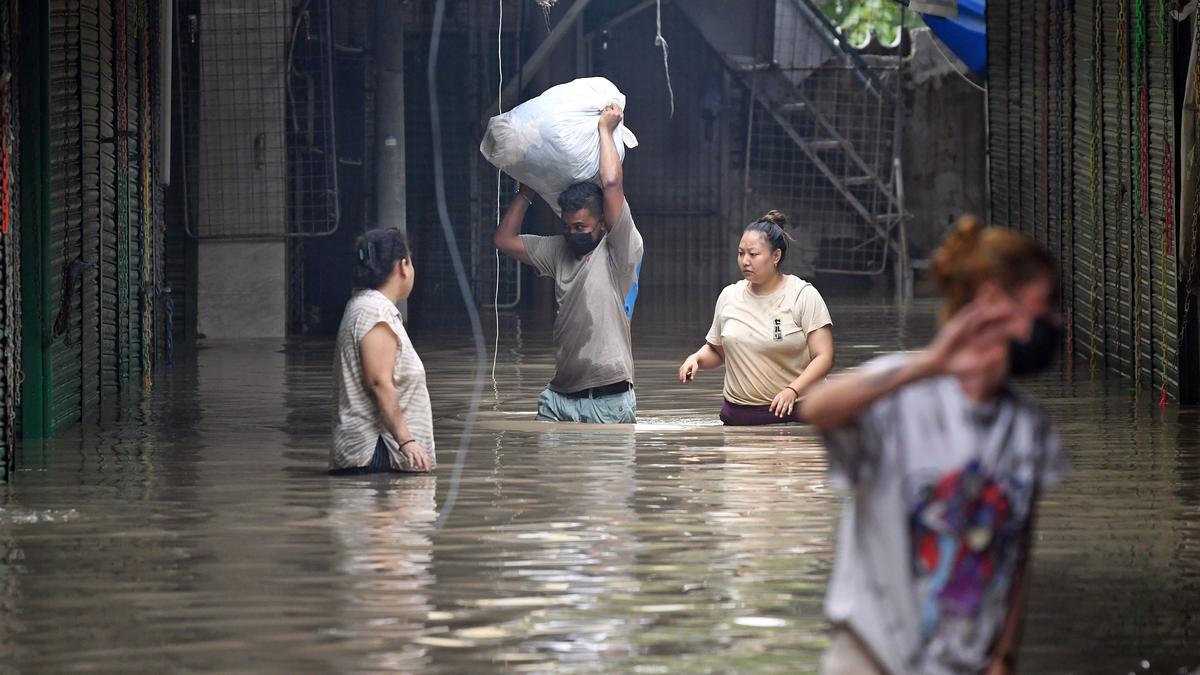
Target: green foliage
[(858, 17)]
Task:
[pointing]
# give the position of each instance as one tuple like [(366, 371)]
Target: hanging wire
[(1120, 196), (1143, 145), (124, 313), (8, 252), (953, 66), (1134, 159), (5, 172), (147, 258), (660, 41), (464, 283), (1168, 244), (500, 109), (1095, 122), (546, 6)]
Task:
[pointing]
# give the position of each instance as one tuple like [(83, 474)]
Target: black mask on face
[(581, 243), (1036, 354)]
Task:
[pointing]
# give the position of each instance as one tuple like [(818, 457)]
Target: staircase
[(835, 112)]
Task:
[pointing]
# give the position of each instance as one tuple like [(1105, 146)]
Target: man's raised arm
[(508, 235), (612, 176)]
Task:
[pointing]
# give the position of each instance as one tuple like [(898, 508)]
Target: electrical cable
[(500, 109), (464, 285), (660, 41), (954, 66)]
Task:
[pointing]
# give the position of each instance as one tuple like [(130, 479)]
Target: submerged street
[(201, 532)]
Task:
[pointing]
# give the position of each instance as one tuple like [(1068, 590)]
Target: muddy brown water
[(196, 531)]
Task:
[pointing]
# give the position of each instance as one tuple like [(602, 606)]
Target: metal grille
[(261, 152), (820, 144)]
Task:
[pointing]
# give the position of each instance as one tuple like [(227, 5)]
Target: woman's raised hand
[(975, 339)]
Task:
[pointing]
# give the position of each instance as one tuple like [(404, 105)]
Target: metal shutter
[(1164, 312), (94, 138), (1064, 138), (66, 166), (129, 189), (1087, 255), (1114, 183)]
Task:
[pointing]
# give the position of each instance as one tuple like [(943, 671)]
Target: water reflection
[(381, 525)]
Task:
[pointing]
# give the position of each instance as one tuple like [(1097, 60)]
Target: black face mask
[(1036, 354), (581, 243)]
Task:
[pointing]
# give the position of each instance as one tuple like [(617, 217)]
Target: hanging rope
[(8, 254), (1094, 125), (123, 211), (147, 258), (1120, 194), (1144, 149), (1169, 200), (660, 41), (500, 109), (1066, 161), (1140, 243), (1163, 17), (1059, 118), (5, 155), (1041, 179), (1139, 69), (1168, 226)]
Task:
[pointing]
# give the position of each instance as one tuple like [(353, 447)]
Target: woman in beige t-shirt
[(383, 420), (771, 331)]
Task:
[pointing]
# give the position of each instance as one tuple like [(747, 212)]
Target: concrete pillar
[(390, 182), (243, 289)]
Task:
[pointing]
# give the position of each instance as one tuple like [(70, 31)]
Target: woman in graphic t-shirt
[(771, 331), (383, 420), (945, 461)]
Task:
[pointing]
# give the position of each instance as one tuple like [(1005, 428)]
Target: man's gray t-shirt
[(943, 488), (591, 331)]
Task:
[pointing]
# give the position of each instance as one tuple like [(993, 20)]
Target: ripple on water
[(213, 540)]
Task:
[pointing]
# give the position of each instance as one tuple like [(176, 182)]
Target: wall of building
[(943, 145), (678, 180)]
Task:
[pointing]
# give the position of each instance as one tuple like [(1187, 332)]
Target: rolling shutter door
[(66, 214)]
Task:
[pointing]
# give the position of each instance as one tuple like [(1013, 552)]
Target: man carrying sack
[(593, 264)]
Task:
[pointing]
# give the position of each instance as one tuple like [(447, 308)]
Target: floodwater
[(199, 533)]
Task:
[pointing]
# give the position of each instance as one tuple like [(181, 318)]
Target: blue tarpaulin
[(631, 299), (966, 36)]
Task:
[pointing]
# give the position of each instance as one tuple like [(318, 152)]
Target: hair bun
[(950, 259), (775, 218)]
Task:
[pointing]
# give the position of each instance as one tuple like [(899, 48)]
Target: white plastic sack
[(553, 141)]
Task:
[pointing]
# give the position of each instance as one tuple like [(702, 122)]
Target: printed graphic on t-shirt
[(963, 534)]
